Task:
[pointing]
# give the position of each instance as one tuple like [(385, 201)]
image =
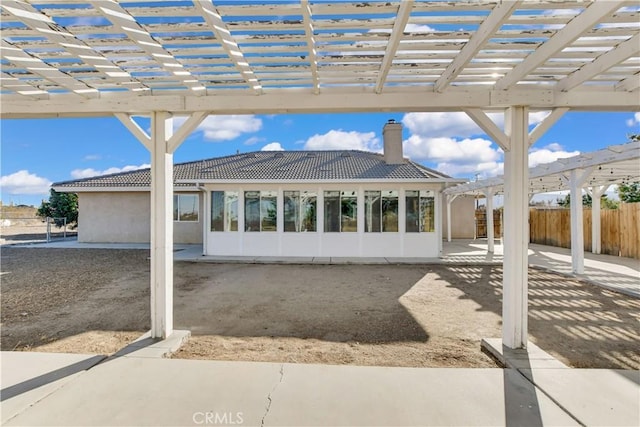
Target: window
[(340, 211), (185, 207), (299, 211), (224, 211), (260, 210), (420, 211), (380, 211), (390, 211)]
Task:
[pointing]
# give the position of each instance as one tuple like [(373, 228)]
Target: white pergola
[(592, 172), (82, 58)]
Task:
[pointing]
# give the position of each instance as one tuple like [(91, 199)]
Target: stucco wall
[(462, 218), (123, 217)]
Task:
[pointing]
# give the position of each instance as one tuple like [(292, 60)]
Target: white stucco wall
[(124, 217), (319, 243), (462, 218)]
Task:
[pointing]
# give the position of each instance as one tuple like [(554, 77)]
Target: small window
[(260, 210), (420, 217), (340, 211), (381, 211), (299, 211), (224, 211), (185, 207)]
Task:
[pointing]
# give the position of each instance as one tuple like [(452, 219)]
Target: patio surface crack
[(269, 398)]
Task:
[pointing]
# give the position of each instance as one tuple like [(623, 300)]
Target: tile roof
[(273, 166)]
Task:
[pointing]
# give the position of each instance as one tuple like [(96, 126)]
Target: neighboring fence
[(620, 229), (32, 229), (481, 223)]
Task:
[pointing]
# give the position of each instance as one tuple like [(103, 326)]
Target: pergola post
[(489, 210), (577, 178), (161, 226), (596, 237), (161, 144), (516, 180), (450, 199)]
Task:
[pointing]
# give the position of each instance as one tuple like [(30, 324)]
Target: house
[(284, 203)]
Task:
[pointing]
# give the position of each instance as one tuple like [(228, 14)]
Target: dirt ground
[(96, 301), (35, 232)]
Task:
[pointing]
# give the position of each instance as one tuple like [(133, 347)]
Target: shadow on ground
[(581, 324)]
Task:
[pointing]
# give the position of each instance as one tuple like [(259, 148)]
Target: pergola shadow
[(580, 323)]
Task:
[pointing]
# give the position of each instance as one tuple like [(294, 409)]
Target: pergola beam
[(542, 127), (337, 101), (604, 62), (593, 14), (498, 16), (489, 127), (402, 17)]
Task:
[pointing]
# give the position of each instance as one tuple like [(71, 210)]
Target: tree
[(587, 202), (60, 205), (629, 193)]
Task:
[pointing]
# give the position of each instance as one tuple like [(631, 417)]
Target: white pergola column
[(161, 144), (438, 212), (450, 199), (489, 210), (516, 230), (596, 237), (577, 178)]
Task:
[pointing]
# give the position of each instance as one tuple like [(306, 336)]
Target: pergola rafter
[(402, 17)]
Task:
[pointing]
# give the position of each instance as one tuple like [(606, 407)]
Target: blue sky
[(36, 153)]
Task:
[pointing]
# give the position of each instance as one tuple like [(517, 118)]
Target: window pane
[(217, 211), (390, 211), (251, 211), (308, 203), (231, 210), (188, 206), (175, 207), (349, 211), (427, 212), (413, 213), (268, 210), (331, 211), (372, 211), (291, 211)]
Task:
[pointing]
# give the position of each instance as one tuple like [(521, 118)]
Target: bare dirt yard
[(80, 300)]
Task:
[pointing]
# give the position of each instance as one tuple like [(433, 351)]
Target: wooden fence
[(620, 229)]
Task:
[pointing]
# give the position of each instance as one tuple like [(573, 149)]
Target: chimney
[(392, 136)]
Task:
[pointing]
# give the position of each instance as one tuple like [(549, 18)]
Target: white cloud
[(24, 182), (341, 140), (90, 172), (225, 128), (634, 121), (273, 146), (457, 124), (549, 154), (465, 157), (91, 157)]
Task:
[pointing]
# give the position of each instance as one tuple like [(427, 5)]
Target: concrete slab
[(379, 396), (145, 346), (596, 397), (27, 377), (159, 392), (532, 357), (140, 391)]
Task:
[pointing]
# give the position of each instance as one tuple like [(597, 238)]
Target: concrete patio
[(139, 389)]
